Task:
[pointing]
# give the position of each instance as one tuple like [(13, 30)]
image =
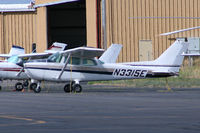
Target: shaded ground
[(99, 108)]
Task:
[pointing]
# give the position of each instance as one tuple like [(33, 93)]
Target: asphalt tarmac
[(101, 109)]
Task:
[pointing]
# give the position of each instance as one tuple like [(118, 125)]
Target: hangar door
[(67, 23)]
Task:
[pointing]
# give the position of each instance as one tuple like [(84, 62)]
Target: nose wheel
[(72, 88), (19, 86)]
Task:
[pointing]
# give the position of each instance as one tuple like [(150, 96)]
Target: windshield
[(55, 57), (13, 59)]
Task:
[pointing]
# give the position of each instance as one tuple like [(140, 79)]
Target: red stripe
[(11, 69)]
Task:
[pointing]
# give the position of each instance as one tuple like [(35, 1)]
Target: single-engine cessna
[(13, 69), (80, 65)]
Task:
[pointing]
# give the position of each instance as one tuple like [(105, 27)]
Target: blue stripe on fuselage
[(68, 70)]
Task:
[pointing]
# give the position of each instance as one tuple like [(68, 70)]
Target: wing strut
[(63, 69), (21, 70)]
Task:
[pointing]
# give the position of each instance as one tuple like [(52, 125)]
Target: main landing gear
[(20, 86), (72, 87), (35, 87)]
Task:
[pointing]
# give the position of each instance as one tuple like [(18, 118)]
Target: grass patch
[(188, 77)]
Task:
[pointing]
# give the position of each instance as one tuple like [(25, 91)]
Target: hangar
[(134, 23)]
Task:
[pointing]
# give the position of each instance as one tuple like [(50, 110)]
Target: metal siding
[(92, 23), (126, 23), (17, 29), (41, 33)]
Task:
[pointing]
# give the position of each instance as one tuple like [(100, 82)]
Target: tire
[(19, 86), (37, 89), (77, 88), (33, 86), (0, 88), (26, 83), (67, 88)]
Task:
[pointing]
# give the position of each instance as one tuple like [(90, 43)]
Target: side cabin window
[(89, 62), (81, 61), (55, 58), (73, 60)]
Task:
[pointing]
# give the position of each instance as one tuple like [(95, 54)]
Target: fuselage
[(98, 71), (11, 71)]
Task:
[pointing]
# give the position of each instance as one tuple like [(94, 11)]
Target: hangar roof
[(54, 3), (15, 7)]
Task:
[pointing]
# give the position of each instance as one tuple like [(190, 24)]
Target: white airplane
[(80, 65), (13, 68), (15, 50)]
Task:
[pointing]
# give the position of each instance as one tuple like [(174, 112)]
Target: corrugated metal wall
[(129, 21), (17, 28)]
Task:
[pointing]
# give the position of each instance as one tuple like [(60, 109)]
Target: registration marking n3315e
[(130, 73)]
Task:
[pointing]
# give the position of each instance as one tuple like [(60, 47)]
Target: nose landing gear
[(20, 86)]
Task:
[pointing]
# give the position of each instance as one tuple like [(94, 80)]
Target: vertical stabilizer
[(172, 56), (16, 50), (111, 54), (55, 47)]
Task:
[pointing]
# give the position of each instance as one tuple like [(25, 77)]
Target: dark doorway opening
[(67, 24)]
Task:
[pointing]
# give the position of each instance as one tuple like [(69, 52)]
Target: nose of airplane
[(26, 70), (33, 70)]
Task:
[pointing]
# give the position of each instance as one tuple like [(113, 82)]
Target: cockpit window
[(55, 58), (101, 62), (13, 59)]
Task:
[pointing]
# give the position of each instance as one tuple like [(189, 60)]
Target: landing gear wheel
[(77, 88), (26, 83), (67, 88), (19, 86), (35, 87)]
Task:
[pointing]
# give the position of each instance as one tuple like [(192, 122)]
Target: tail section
[(172, 56), (16, 50), (111, 54), (55, 47), (169, 62)]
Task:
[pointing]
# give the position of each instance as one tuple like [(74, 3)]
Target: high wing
[(178, 31), (34, 55), (192, 54), (56, 47), (86, 52)]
